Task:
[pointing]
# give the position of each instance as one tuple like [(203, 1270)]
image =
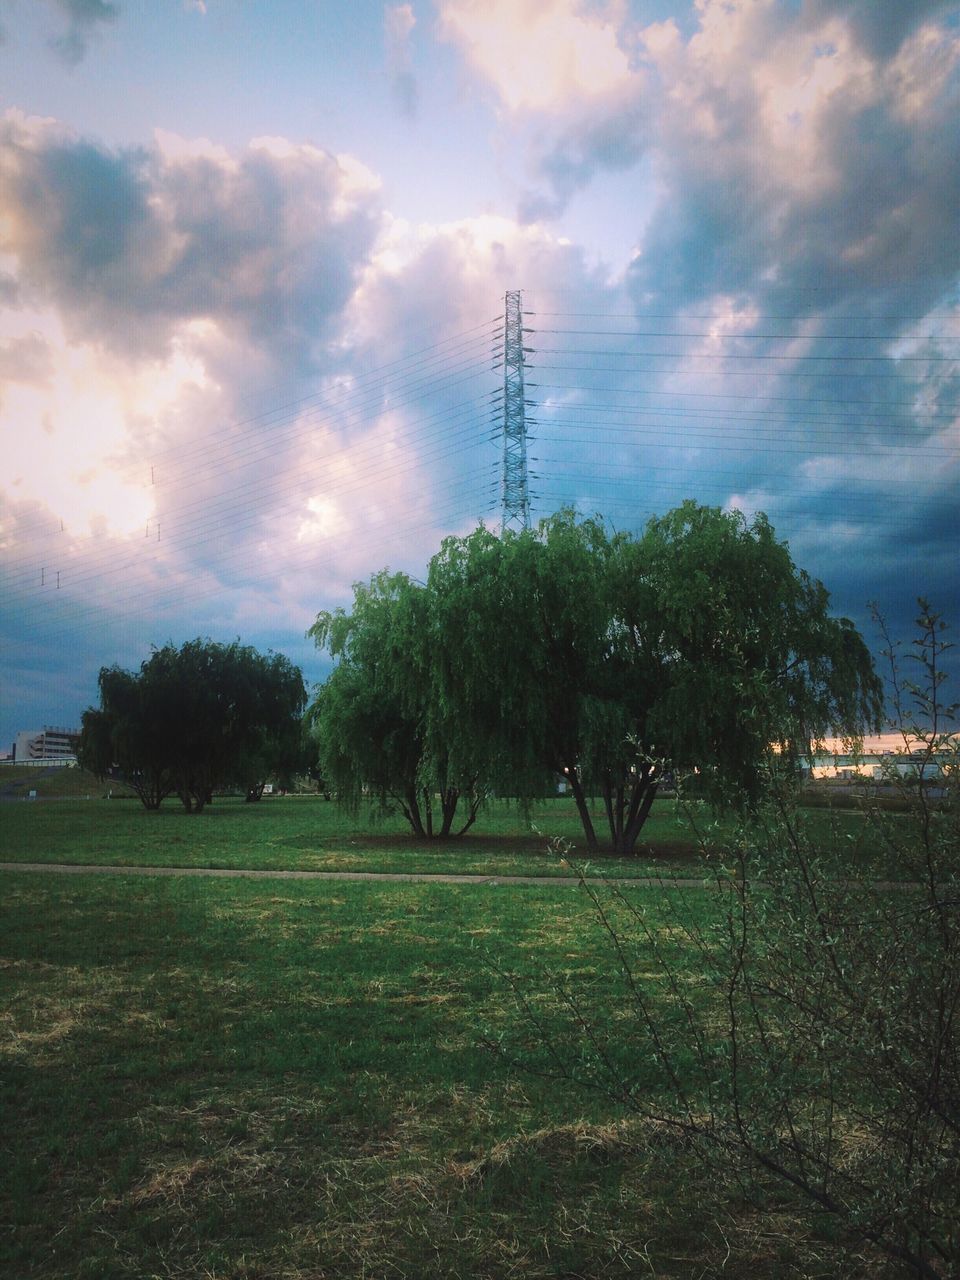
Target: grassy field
[(312, 834), (289, 1079), (269, 1079)]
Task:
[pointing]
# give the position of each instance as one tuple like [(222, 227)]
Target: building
[(882, 757), (48, 745)]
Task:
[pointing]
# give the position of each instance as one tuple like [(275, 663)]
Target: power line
[(457, 369), (736, 395), (443, 380)]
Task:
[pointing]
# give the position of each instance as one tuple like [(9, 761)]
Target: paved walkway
[(403, 877)]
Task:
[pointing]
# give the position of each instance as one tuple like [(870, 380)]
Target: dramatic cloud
[(238, 386), (26, 359), (788, 159), (802, 260), (161, 303), (879, 28), (233, 380), (129, 245)]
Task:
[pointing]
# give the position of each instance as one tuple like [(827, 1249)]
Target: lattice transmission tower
[(514, 486)]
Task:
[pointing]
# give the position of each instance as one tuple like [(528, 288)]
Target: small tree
[(373, 721)]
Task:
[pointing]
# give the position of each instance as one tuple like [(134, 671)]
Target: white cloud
[(539, 55)]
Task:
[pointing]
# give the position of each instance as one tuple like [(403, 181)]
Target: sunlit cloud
[(537, 55), (68, 439)]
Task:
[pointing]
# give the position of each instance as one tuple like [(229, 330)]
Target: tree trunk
[(152, 792), (449, 800), (628, 808), (644, 795), (576, 785), (475, 801), (411, 811)]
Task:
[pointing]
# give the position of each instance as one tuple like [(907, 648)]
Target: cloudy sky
[(253, 258)]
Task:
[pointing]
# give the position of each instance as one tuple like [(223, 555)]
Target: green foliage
[(607, 659), (194, 719), (602, 659), (377, 730), (132, 733)]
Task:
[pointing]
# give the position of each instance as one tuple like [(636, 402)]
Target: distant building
[(48, 745), (881, 758)]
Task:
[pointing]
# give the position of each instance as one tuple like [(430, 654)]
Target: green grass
[(252, 1079), (312, 834)]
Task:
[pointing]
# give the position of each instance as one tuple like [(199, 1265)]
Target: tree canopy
[(196, 718), (600, 658)]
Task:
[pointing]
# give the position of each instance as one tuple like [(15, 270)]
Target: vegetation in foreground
[(238, 1079), (820, 1044), (260, 1079)]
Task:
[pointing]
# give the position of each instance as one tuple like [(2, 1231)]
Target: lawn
[(312, 834), (253, 1079)]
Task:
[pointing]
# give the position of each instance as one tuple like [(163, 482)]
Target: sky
[(253, 260)]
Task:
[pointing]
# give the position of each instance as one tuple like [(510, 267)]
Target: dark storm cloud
[(9, 291), (879, 26), (129, 244), (763, 180), (807, 168), (886, 226), (603, 141)]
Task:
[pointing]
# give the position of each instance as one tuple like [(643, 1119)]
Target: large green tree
[(196, 718), (602, 659), (379, 732), (609, 659)]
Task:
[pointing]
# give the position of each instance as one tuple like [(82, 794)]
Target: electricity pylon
[(514, 490)]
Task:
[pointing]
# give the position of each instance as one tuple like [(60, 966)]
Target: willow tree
[(609, 659), (377, 731)]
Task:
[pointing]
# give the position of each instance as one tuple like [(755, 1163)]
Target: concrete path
[(403, 877)]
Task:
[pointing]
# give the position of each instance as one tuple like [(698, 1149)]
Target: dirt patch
[(531, 845)]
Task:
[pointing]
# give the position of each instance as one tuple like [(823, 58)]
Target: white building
[(48, 745)]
